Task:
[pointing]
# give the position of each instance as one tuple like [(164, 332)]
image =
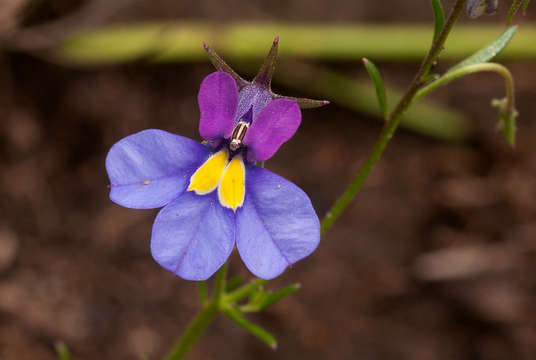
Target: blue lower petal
[(193, 236), (277, 225), (150, 168)]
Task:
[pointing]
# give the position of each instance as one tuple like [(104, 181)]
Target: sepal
[(220, 64), (266, 72)]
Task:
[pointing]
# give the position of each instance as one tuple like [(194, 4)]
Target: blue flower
[(213, 195)]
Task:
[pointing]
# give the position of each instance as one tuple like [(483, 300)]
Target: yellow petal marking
[(207, 177), (232, 187)]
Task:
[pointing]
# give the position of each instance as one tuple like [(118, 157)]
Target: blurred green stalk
[(182, 42)]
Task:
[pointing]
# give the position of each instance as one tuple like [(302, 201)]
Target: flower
[(213, 194)]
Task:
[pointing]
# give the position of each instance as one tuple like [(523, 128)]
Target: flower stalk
[(203, 319), (393, 120)]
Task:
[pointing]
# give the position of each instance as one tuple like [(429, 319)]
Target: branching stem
[(393, 120)]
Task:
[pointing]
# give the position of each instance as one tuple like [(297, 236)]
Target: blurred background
[(435, 259)]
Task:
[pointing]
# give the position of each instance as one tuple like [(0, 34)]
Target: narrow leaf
[(235, 315), (378, 84), (244, 291), (274, 297), (439, 17), (488, 52)]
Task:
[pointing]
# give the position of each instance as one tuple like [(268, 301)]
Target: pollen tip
[(325, 102), (205, 46), (274, 346), (365, 60), (276, 40)]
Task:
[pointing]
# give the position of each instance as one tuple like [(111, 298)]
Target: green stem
[(201, 322), (202, 291), (193, 332), (392, 121), (471, 69)]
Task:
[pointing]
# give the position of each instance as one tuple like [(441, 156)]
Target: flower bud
[(476, 8)]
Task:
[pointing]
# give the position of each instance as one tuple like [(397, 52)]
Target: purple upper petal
[(150, 168), (218, 101), (276, 123), (277, 224), (193, 236)]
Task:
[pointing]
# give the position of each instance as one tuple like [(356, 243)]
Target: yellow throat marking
[(207, 177), (232, 187), (228, 177)]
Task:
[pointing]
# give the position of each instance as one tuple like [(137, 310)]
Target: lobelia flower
[(213, 194)]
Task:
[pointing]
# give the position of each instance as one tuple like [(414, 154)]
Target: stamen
[(238, 135)]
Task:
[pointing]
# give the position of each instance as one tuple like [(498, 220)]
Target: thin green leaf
[(490, 51), (378, 84), (62, 351), (514, 9), (244, 291), (234, 283), (439, 17), (235, 315), (274, 297)]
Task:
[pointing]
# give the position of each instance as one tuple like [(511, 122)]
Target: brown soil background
[(434, 260)]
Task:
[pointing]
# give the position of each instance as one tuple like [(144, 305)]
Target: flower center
[(225, 174)]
